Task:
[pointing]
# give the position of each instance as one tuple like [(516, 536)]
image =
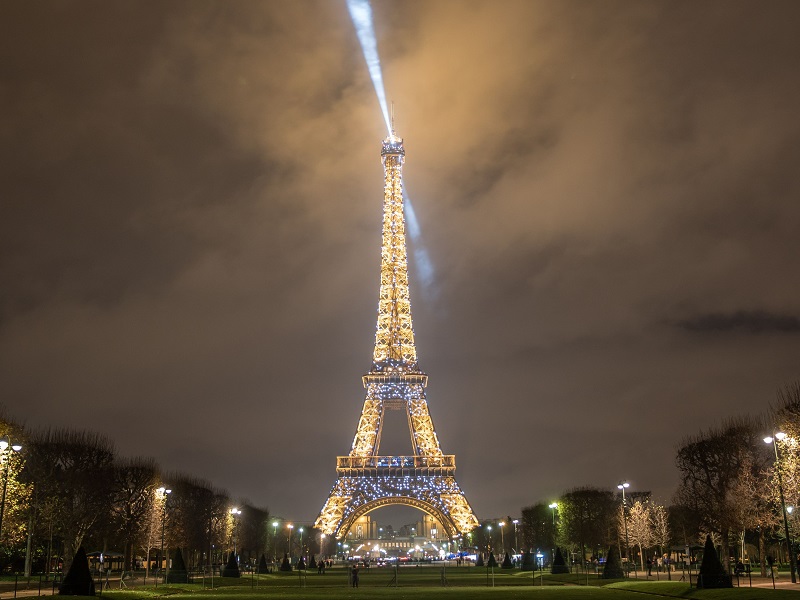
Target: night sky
[(190, 211)]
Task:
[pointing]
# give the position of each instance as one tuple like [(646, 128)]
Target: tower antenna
[(392, 117)]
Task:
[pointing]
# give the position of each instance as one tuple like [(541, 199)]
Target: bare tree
[(198, 519), (133, 492), (659, 515), (639, 525), (74, 470), (710, 465)]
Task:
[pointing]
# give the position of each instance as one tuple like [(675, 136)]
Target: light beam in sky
[(361, 15), (420, 253)]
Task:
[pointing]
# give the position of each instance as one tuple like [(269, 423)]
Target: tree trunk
[(30, 540), (726, 551)]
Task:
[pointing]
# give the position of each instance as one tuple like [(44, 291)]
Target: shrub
[(559, 565), (492, 560), (231, 569), (285, 564), (507, 564), (613, 567), (528, 563), (262, 564), (712, 574), (78, 580), (178, 572)]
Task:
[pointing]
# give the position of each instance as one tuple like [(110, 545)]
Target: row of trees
[(730, 488), (66, 489)]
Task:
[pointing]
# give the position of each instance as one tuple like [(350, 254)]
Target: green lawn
[(426, 584)]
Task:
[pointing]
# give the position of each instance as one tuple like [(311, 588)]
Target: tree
[(198, 515), (710, 465), (19, 514), (262, 565), (132, 500), (640, 530), (537, 526), (587, 518), (252, 530), (492, 560), (507, 564), (73, 469), (659, 515), (760, 508)]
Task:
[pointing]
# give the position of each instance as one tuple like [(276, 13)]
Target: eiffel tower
[(365, 480)]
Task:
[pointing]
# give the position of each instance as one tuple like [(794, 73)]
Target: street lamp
[(516, 543), (321, 545), (275, 540), (502, 539), (553, 506), (489, 544), (7, 450), (774, 441), (235, 512), (289, 540), (301, 541), (164, 495), (622, 486)]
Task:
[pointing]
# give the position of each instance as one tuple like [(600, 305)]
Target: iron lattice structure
[(365, 479)]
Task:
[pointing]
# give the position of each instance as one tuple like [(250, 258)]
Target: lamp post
[(516, 542), (489, 544), (7, 450), (774, 439), (321, 545), (502, 539), (301, 541), (623, 485), (553, 506), (275, 540), (235, 512), (164, 494), (289, 526)]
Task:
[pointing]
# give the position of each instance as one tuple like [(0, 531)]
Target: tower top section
[(393, 146), (395, 352)]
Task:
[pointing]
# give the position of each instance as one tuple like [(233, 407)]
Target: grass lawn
[(426, 584)]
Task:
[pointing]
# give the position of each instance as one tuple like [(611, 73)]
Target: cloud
[(751, 322)]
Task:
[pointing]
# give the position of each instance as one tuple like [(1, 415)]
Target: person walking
[(355, 576)]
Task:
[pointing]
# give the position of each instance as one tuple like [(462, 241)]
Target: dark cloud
[(743, 322), (191, 204)]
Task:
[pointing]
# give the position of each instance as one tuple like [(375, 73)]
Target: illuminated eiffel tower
[(366, 480)]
